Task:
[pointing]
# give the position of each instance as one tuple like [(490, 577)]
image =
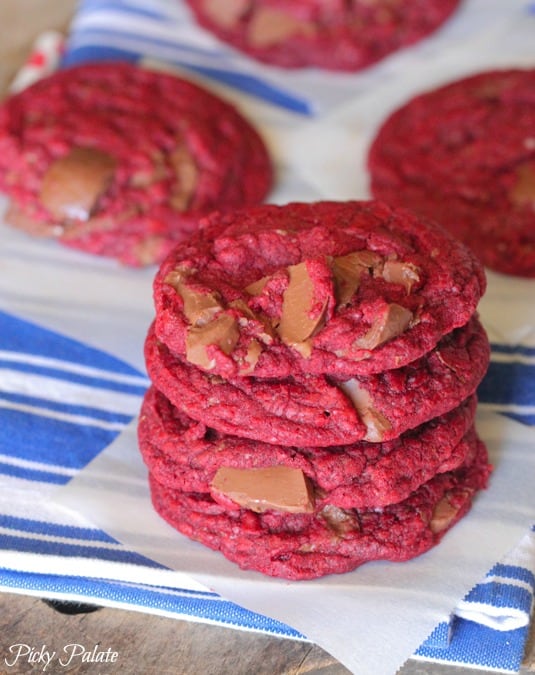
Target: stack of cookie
[(314, 369)]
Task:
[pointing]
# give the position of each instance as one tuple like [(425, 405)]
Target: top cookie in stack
[(314, 370)]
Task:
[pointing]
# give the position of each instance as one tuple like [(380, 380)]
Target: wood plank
[(147, 644)]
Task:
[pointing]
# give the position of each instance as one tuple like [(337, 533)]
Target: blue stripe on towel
[(78, 55), (97, 380), (142, 45), (248, 84), (48, 432), (30, 437), (68, 408), (509, 385), (514, 572), (37, 475), (54, 529), (524, 350), (473, 644), (180, 602), (18, 335), (501, 595), (70, 550)]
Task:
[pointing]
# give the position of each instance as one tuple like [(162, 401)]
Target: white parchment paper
[(371, 619)]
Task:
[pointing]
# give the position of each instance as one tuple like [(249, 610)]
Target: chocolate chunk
[(391, 323), (523, 191), (199, 308), (398, 272), (375, 422), (177, 276), (225, 12), (254, 349), (257, 286), (187, 175), (443, 513), (339, 520), (74, 183), (296, 323), (280, 488), (271, 26), (221, 332), (348, 271)]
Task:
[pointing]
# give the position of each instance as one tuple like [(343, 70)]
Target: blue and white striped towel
[(509, 386), (162, 30), (62, 402), (489, 628)]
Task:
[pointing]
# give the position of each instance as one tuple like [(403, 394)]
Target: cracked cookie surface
[(331, 288)]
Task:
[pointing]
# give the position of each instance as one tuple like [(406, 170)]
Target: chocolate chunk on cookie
[(187, 455), (332, 288), (329, 540), (318, 410)]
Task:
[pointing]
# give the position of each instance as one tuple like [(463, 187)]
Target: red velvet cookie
[(318, 410), (313, 542), (464, 155), (335, 288), (334, 35), (121, 161), (188, 456)]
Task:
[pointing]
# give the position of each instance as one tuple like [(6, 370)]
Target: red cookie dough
[(122, 161), (317, 410), (329, 539), (333, 288), (334, 35), (464, 155), (188, 456)]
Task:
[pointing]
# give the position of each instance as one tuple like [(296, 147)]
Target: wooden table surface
[(139, 642)]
